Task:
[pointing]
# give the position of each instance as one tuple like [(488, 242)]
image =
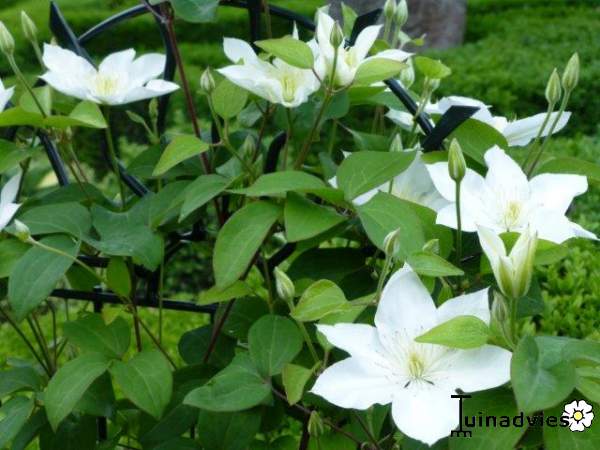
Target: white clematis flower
[(8, 207), (513, 272), (348, 59), (5, 95), (277, 82), (518, 133), (387, 366), (413, 185), (505, 200), (119, 79)]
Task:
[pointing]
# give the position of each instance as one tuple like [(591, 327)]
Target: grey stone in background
[(442, 20)]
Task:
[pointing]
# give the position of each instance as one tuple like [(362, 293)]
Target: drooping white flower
[(349, 59), (414, 185), (513, 272), (505, 200), (8, 207), (579, 415), (387, 366), (5, 95), (518, 133), (119, 79), (277, 82)]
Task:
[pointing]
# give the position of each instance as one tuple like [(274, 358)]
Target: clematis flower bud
[(390, 243), (29, 29), (284, 286), (401, 13), (22, 231), (249, 145), (337, 35), (389, 9), (571, 75), (315, 424), (553, 88), (456, 162), (432, 246), (407, 75), (207, 81), (397, 145), (7, 43)]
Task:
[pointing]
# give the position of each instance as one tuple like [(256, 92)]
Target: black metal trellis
[(434, 135)]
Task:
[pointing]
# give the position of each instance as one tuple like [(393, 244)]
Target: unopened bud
[(401, 13), (389, 9), (29, 29), (553, 88), (432, 246), (457, 166), (397, 145), (337, 35), (434, 83), (391, 243), (207, 81), (407, 75), (153, 110), (7, 43), (249, 145), (284, 286), (315, 424), (22, 231), (571, 75)]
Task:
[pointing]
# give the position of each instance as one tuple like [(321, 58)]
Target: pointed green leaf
[(14, 416), (432, 265), (464, 332), (289, 49), (92, 335), (305, 219), (377, 69), (294, 379), (200, 191), (69, 217), (229, 99), (318, 300), (179, 149), (281, 182), (118, 277)]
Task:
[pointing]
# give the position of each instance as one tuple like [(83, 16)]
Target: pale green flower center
[(289, 85), (106, 85), (512, 214), (416, 366), (350, 57)]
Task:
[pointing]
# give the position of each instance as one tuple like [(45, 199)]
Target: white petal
[(118, 62), (7, 212), (72, 86), (521, 132), (146, 68), (359, 340), (426, 413), (154, 88), (253, 80), (5, 96), (11, 189), (477, 369), (551, 225), (504, 176), (66, 62), (483, 115), (556, 191), (474, 304), (236, 50), (492, 246), (401, 118), (365, 40), (581, 232), (353, 384), (405, 305), (392, 54), (447, 216)]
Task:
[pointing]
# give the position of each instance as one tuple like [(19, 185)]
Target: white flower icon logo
[(579, 415)]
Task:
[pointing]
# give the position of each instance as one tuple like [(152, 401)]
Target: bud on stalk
[(284, 286), (396, 145), (337, 35), (389, 9), (401, 13), (571, 74), (553, 88), (207, 81), (7, 43), (391, 244), (457, 166), (29, 29), (22, 231)]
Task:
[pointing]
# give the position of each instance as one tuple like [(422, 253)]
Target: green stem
[(113, 156), (458, 227), (383, 276), (268, 282), (423, 100), (41, 344), (513, 322), (288, 137), (536, 142), (23, 80), (305, 335)]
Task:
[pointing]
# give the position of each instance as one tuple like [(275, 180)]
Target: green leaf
[(11, 155), (69, 384), (30, 430), (201, 191), (15, 414), (432, 265), (218, 295), (294, 379), (99, 400), (229, 99), (349, 16), (10, 252), (127, 234), (43, 94), (194, 344), (18, 379), (561, 438), (273, 342), (70, 217), (363, 171), (377, 69), (305, 219), (432, 68), (462, 332), (237, 387), (92, 335), (370, 142), (179, 149), (476, 138), (231, 431), (196, 11), (35, 275), (291, 50), (76, 432), (571, 165), (541, 378), (146, 380), (117, 275), (18, 116), (318, 300), (281, 182), (240, 238), (88, 114)]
